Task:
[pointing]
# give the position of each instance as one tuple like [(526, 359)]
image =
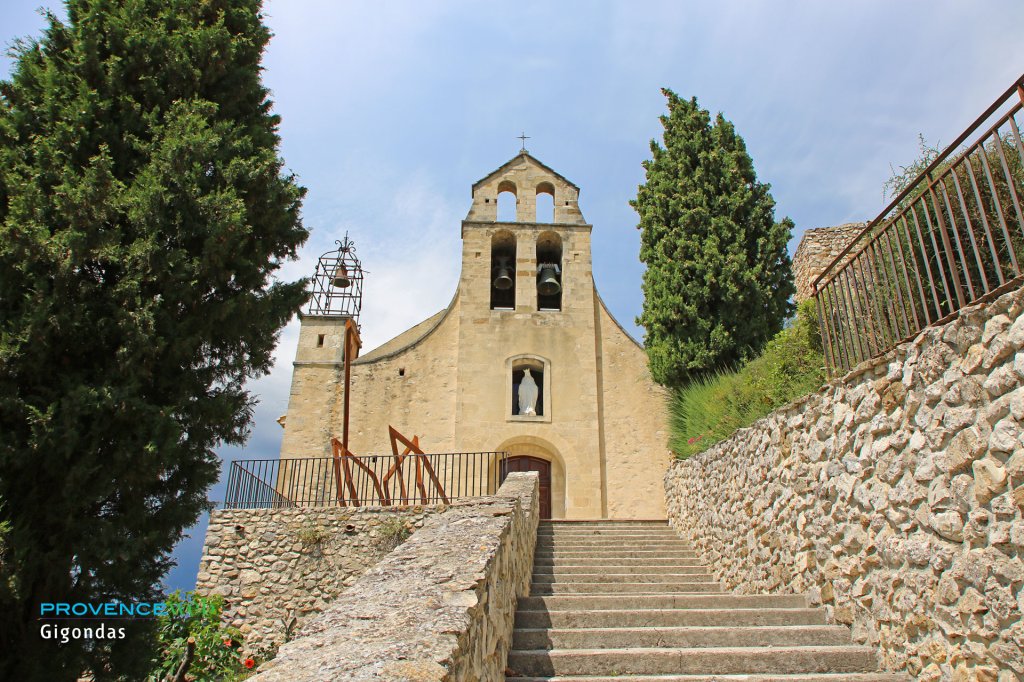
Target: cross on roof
[(524, 137)]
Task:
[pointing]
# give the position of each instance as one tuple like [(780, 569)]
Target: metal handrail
[(953, 237), (313, 481)]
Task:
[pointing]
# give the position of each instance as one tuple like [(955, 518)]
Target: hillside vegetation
[(709, 409)]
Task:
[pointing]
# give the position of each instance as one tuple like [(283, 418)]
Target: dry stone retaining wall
[(893, 496), (275, 565), (440, 607)]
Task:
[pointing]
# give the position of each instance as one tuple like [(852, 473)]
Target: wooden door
[(542, 467)]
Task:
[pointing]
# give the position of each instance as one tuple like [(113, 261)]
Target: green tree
[(143, 212), (718, 279)]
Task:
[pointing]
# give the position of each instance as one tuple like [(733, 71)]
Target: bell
[(340, 279), (547, 280), (504, 279)]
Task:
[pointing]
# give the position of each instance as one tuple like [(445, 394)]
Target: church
[(526, 359)]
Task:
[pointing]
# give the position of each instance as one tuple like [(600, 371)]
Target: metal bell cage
[(337, 287)]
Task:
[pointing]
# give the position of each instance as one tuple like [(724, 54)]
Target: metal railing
[(373, 480), (953, 237)]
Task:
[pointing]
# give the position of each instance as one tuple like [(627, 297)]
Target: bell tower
[(527, 328), (316, 403), (523, 257)]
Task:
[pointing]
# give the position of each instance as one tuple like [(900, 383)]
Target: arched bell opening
[(508, 200), (545, 203), (549, 271), (503, 271)]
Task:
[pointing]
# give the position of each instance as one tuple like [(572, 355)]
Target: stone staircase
[(629, 600)]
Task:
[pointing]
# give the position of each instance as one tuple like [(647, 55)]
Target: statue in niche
[(528, 393)]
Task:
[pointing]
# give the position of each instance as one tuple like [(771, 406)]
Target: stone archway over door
[(542, 467)]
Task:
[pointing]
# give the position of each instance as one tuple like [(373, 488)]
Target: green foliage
[(718, 278), (217, 657), (904, 175), (392, 532), (7, 585), (701, 414), (312, 536), (143, 214), (968, 201), (995, 154), (711, 408)]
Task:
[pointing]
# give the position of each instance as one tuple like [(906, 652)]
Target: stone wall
[(893, 496), (275, 565), (634, 425), (440, 607), (411, 388), (818, 247)]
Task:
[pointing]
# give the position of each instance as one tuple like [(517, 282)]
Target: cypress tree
[(718, 277), (143, 212)]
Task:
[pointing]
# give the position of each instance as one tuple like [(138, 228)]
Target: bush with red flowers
[(218, 648)]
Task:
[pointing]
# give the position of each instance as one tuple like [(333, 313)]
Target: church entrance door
[(542, 467)]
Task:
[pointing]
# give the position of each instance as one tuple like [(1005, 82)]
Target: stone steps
[(723, 617), (639, 576), (606, 531), (577, 546), (678, 637), (613, 553), (610, 540), (665, 660), (609, 533), (558, 588), (601, 523), (657, 560), (820, 677), (620, 569), (631, 601), (661, 601)]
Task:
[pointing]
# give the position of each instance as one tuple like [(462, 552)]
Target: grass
[(711, 408), (393, 532), (312, 536)]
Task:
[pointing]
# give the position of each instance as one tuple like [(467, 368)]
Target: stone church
[(525, 359)]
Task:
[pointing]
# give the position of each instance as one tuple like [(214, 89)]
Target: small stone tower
[(316, 399), (817, 249)]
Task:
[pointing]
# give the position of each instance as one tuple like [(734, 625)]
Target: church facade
[(525, 359)]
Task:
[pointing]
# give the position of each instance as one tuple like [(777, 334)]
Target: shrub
[(709, 409), (393, 531), (313, 537), (218, 656)]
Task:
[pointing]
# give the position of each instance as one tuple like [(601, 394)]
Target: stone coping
[(440, 607)]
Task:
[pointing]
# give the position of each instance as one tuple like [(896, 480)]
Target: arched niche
[(549, 271), (516, 370), (503, 270), (508, 201)]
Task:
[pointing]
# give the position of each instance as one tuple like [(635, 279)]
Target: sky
[(392, 110)]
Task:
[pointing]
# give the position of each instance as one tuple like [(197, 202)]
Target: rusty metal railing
[(953, 237), (372, 480)]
